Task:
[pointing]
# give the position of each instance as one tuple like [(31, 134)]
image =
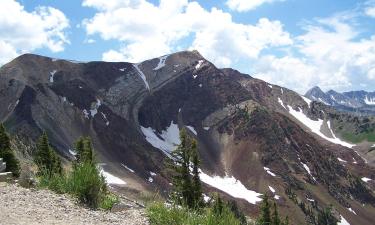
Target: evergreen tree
[(197, 186), (185, 161), (6, 153), (46, 158), (237, 212), (275, 216), (325, 217), (84, 150), (218, 206), (265, 214)]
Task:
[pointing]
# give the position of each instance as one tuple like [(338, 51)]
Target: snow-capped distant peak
[(369, 101)]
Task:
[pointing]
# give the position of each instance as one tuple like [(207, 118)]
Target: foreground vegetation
[(84, 181), (186, 205), (7, 154)]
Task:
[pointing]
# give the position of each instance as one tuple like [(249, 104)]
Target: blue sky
[(293, 43)]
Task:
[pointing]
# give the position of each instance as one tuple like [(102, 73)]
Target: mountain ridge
[(243, 125)]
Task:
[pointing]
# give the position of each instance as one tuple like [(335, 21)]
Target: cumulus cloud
[(330, 55), (22, 31), (146, 30), (247, 5), (370, 11)]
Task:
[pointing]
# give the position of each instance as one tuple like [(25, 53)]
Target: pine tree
[(84, 150), (265, 214), (6, 153), (275, 216), (197, 186), (185, 161), (46, 158), (325, 217), (218, 206)]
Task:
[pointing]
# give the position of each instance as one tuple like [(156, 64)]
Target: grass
[(160, 214), (357, 138), (85, 183)]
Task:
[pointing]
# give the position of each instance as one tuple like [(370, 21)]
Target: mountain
[(353, 101), (253, 137)]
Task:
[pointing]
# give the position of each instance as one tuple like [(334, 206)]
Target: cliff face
[(268, 138)]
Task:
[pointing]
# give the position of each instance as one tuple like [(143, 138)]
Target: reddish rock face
[(243, 126)]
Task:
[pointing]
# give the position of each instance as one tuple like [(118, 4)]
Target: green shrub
[(108, 201), (159, 214)]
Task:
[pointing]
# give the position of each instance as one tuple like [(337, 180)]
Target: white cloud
[(247, 5), (22, 31), (330, 54), (153, 30), (370, 11)]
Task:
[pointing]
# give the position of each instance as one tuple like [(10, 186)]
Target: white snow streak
[(73, 153), (343, 221), (123, 165), (269, 171), (199, 64), (341, 160), (308, 170), (369, 101), (192, 130), (269, 85), (308, 101), (315, 126), (52, 74), (352, 211), (161, 62), (170, 138), (206, 128), (142, 75), (105, 119), (271, 189), (85, 113), (150, 179), (110, 179), (232, 187), (281, 102), (152, 174), (365, 179)]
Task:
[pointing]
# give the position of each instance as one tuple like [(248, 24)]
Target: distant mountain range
[(358, 101)]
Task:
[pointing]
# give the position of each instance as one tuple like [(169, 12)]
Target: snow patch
[(282, 91), (199, 64), (192, 130), (122, 69), (206, 128), (369, 101), (152, 174), (166, 141), (86, 114), (111, 179), (94, 109), (206, 198), (315, 126), (308, 101), (105, 119), (52, 74), (343, 221), (123, 165), (308, 170), (269, 171), (271, 189), (269, 85), (341, 160), (324, 102), (310, 200), (281, 102), (73, 153), (365, 179), (150, 179), (232, 187), (161, 63), (141, 75), (195, 76), (200, 85), (352, 211), (277, 197)]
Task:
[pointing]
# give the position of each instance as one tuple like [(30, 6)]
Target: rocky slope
[(253, 137), (46, 207)]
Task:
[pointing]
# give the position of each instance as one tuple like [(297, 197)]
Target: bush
[(87, 184), (108, 201), (160, 214)]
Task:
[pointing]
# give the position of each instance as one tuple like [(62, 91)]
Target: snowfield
[(232, 187), (315, 126), (110, 179), (170, 138), (161, 63)]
